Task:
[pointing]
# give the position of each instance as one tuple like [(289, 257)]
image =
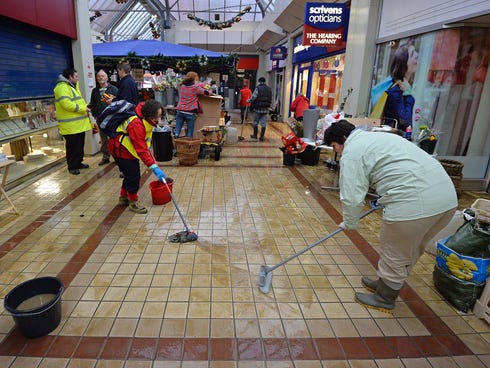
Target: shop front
[(317, 74), (450, 86)]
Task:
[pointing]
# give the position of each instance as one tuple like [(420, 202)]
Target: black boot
[(256, 129), (369, 283), (262, 133), (383, 298)]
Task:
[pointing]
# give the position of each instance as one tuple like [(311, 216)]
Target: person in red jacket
[(300, 104), (245, 94), (131, 145)]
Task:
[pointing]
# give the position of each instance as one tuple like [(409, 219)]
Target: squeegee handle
[(333, 233)]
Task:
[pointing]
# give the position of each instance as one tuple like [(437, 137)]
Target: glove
[(342, 226), (374, 203), (158, 172)]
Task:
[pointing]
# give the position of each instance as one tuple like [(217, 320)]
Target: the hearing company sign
[(325, 24)]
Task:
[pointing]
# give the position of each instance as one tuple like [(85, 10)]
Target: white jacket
[(412, 184)]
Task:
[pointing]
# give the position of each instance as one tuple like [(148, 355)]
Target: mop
[(182, 236), (265, 273), (241, 137)]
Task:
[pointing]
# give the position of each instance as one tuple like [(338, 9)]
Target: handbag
[(199, 107), (379, 108)]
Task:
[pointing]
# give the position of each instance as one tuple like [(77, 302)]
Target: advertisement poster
[(439, 80)]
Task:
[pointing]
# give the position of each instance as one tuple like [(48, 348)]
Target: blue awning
[(149, 48)]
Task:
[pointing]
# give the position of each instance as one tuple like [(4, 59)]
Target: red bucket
[(159, 191)]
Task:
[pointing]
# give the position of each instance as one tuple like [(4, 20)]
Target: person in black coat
[(101, 94)]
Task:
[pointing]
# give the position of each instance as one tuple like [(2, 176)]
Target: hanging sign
[(325, 24), (278, 53)]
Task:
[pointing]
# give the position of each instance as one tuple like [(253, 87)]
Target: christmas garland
[(220, 25)]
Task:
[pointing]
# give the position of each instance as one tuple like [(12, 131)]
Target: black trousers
[(74, 145), (132, 174)]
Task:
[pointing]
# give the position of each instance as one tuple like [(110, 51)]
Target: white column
[(359, 54)]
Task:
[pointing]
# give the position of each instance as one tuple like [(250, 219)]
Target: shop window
[(448, 83)]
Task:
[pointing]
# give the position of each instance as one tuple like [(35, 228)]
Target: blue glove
[(159, 173)]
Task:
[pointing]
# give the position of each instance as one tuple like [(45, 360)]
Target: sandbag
[(470, 240), (459, 293)]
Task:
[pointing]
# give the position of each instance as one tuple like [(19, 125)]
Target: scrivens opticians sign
[(325, 24)]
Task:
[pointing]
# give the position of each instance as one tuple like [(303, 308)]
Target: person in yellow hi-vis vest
[(73, 120), (131, 145)]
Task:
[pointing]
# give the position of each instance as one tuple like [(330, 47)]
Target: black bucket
[(287, 159), (35, 305)]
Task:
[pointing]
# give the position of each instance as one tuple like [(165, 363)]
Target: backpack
[(113, 116)]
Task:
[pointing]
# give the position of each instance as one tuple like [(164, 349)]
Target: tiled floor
[(133, 299)]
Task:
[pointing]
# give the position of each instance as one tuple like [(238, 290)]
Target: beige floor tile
[(343, 328), (99, 327), (124, 327)]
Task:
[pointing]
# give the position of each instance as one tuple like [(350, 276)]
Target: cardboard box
[(462, 267)]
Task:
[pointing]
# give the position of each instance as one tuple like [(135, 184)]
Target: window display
[(29, 136), (444, 73)]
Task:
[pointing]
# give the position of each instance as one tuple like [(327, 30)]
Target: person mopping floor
[(417, 194)]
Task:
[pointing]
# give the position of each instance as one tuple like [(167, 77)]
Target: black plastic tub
[(35, 305)]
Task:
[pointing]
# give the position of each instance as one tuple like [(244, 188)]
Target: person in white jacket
[(417, 194)]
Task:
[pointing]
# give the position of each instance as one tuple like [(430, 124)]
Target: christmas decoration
[(220, 25), (95, 16), (154, 30)]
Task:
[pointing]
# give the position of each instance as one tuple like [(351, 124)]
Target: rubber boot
[(383, 298), (262, 133), (123, 201), (134, 207), (256, 130), (369, 283)]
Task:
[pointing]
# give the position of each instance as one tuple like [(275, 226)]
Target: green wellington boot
[(369, 284), (134, 207), (383, 298)]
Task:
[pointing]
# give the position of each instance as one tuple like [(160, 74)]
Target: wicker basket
[(482, 210), (453, 168), (187, 150)]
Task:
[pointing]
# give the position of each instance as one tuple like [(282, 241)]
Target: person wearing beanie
[(416, 193), (260, 103)]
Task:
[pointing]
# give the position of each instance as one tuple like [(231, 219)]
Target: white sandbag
[(231, 136), (450, 229)]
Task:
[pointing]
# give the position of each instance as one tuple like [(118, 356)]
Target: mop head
[(183, 237), (265, 279)]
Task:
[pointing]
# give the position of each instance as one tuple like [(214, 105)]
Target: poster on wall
[(325, 24), (434, 83)]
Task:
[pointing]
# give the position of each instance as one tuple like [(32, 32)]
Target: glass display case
[(29, 136)]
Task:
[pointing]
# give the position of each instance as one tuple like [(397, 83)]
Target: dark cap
[(261, 80)]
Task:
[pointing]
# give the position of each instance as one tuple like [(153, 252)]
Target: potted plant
[(428, 133)]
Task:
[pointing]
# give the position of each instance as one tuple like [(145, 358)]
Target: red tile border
[(276, 349), (63, 347), (143, 349), (196, 349), (169, 349), (89, 347), (116, 348), (223, 349), (250, 349)]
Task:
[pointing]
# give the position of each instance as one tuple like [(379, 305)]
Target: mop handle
[(333, 233), (176, 206)]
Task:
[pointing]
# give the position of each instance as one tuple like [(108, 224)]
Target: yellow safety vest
[(124, 137), (71, 110)]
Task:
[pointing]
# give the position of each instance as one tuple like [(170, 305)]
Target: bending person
[(418, 196), (132, 145)]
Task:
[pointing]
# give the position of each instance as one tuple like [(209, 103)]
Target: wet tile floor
[(134, 299)]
